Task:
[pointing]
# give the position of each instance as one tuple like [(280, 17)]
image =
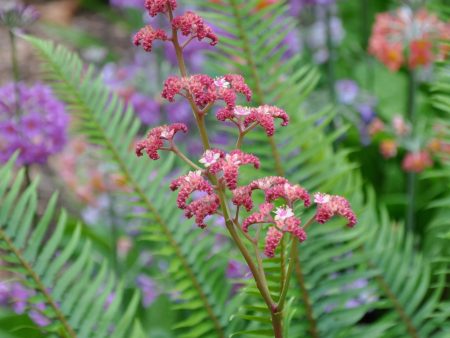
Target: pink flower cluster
[(156, 137), (192, 25), (246, 116), (159, 6), (217, 162), (408, 37), (202, 207), (331, 205), (417, 162), (147, 35), (189, 24), (284, 221), (274, 187), (205, 90)]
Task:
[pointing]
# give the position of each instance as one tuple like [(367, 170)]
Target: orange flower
[(420, 53), (388, 148)]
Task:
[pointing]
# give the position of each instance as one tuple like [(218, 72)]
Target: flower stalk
[(220, 176)]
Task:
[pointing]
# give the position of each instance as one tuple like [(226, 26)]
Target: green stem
[(182, 156), (305, 294), (411, 177), (287, 277)]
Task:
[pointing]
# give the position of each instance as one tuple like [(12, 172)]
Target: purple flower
[(298, 5), (139, 4), (19, 297), (367, 112), (146, 108), (148, 288), (37, 316), (16, 15), (5, 290), (347, 91), (236, 269), (37, 125)]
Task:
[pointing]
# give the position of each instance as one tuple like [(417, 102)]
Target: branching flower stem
[(199, 117)]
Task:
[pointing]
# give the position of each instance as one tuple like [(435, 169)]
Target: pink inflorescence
[(274, 187), (200, 208), (407, 37), (205, 90), (263, 115), (156, 137), (417, 162), (229, 164), (284, 221), (159, 6), (193, 26), (331, 205), (147, 35)]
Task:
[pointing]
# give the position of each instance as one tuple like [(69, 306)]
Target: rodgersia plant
[(213, 186)]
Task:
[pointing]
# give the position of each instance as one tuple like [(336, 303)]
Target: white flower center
[(283, 213)]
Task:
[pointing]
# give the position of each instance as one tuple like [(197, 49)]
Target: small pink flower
[(211, 157), (401, 128), (282, 213), (221, 83), (156, 137), (159, 6), (147, 35), (336, 205), (321, 198), (193, 25), (242, 111)]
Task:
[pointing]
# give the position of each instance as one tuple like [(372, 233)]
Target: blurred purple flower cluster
[(127, 3), (350, 96), (33, 121), (17, 297), (15, 15)]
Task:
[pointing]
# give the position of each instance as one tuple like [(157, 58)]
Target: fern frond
[(61, 272), (202, 287)]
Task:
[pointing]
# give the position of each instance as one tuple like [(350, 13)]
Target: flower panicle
[(202, 192)]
